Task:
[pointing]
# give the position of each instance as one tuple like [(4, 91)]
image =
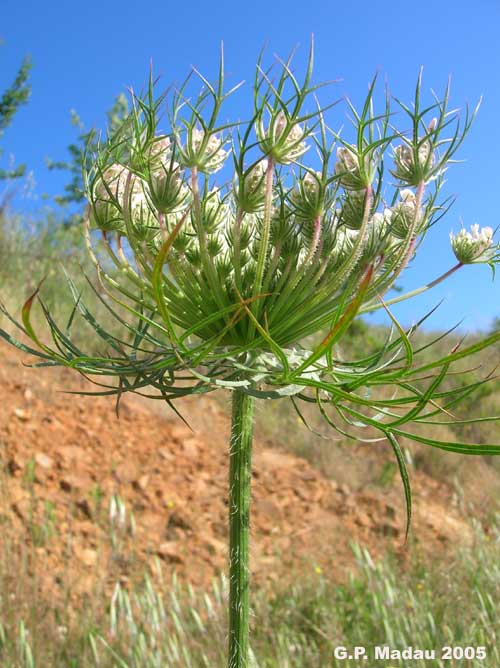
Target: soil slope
[(174, 483)]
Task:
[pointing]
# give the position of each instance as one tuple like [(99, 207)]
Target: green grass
[(35, 255), (451, 600)]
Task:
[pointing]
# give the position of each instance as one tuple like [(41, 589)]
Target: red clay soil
[(174, 482)]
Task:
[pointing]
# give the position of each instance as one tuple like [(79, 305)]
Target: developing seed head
[(110, 184), (402, 215), (378, 237), (217, 244), (167, 189), (111, 210), (352, 210), (205, 152), (107, 193), (214, 212), (284, 139), (341, 246), (250, 188), (143, 222), (413, 164), (355, 172), (308, 196), (183, 240), (474, 246), (106, 217), (159, 152)]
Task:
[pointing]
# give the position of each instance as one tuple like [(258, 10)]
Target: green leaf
[(404, 476), (461, 448)]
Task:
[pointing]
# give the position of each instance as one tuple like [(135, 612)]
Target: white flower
[(108, 195), (142, 220), (250, 190), (110, 184), (308, 196), (402, 215), (167, 189), (473, 246), (349, 170), (160, 152), (353, 207), (284, 141), (311, 183), (254, 179), (214, 212), (404, 158), (213, 155)]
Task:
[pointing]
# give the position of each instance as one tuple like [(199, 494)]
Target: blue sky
[(84, 54)]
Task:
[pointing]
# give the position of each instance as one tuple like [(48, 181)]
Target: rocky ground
[(64, 456)]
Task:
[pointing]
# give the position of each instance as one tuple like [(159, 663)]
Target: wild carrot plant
[(248, 281)]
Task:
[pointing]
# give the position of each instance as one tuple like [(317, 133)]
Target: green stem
[(237, 248), (373, 307), (264, 243), (211, 274), (240, 473)]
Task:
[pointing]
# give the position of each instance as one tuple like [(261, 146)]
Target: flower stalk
[(240, 476), (264, 242), (202, 236)]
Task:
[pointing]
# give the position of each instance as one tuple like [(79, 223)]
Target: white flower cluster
[(254, 180), (408, 169), (385, 228), (108, 197), (162, 191), (111, 183), (402, 215), (213, 156), (310, 184), (166, 187), (353, 174), (308, 196), (250, 190), (160, 152), (215, 212), (376, 238), (286, 141), (473, 246)]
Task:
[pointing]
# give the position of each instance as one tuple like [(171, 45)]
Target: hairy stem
[(240, 473), (264, 242), (315, 241)]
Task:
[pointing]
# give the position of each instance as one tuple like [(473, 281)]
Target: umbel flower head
[(309, 197), (475, 246), (355, 171), (203, 150), (159, 152), (250, 188), (164, 177), (273, 252), (283, 140), (411, 164), (108, 197), (403, 215)]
